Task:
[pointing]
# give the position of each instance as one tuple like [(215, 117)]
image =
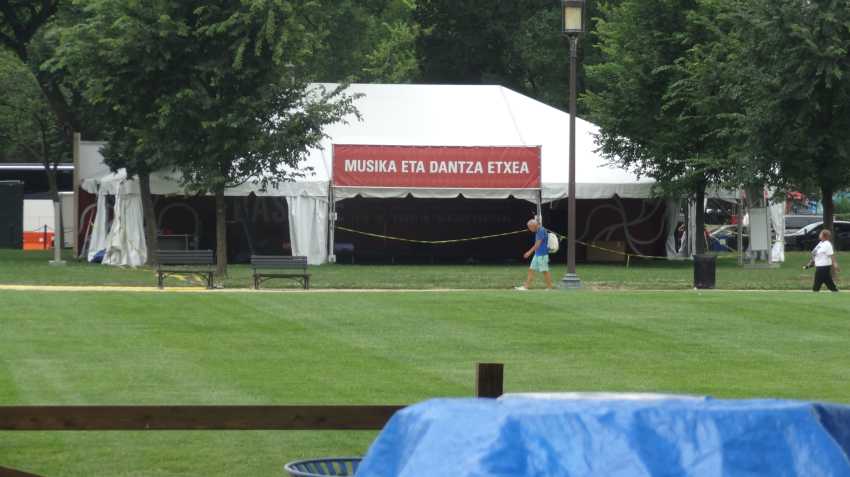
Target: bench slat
[(185, 257), (271, 261)]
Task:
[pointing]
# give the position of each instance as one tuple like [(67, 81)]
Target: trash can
[(704, 271), (338, 466)]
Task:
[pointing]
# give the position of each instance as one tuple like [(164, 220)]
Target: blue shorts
[(540, 263)]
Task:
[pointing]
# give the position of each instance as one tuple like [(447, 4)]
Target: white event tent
[(427, 115), (122, 242)]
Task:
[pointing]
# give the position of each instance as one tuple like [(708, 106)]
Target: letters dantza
[(435, 167)]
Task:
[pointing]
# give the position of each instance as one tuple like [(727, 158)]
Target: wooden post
[(7, 472), (489, 380)]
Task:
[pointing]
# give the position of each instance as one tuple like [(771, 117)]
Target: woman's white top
[(823, 254)]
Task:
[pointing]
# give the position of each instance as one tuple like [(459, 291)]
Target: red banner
[(437, 167)]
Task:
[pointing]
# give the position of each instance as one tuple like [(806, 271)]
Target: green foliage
[(20, 21), (793, 61), (643, 95), (364, 41), (30, 31), (29, 131), (515, 43), (215, 90)]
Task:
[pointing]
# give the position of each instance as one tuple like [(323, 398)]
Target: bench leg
[(209, 281), (256, 282), (306, 283), (160, 281)]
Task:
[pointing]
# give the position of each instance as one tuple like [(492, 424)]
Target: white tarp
[(308, 218), (123, 243), (126, 241), (777, 223), (670, 219), (97, 241)]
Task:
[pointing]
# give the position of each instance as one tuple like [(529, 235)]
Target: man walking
[(540, 256)]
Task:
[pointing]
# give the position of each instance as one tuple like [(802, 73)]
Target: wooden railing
[(489, 383)]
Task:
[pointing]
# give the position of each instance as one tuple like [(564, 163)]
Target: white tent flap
[(126, 240), (308, 228), (777, 222), (97, 242), (123, 243)]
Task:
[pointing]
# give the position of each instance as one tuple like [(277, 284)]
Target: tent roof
[(471, 115), (447, 115)]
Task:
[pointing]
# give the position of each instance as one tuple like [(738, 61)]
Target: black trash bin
[(704, 271)]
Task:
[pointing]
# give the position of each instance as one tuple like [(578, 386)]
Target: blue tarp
[(522, 437)]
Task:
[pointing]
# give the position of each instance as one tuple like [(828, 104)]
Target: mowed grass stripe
[(31, 268), (130, 348)]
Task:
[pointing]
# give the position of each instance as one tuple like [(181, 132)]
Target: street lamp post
[(573, 16)]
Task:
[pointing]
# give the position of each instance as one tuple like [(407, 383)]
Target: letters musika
[(435, 167)]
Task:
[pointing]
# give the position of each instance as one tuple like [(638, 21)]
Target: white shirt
[(823, 254)]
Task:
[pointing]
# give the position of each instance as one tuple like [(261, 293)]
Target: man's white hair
[(532, 222)]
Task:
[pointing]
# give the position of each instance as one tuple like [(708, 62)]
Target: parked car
[(807, 237), (797, 222)]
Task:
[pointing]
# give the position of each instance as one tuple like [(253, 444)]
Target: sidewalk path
[(192, 289)]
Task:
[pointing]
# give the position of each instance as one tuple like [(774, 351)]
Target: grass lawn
[(17, 267), (187, 348)]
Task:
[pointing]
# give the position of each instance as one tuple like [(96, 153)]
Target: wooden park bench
[(176, 262), (267, 267)]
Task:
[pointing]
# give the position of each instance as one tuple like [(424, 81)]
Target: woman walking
[(823, 258)]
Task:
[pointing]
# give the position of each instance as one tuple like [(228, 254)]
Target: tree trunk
[(59, 105), (220, 233), (699, 220), (151, 226), (828, 209)]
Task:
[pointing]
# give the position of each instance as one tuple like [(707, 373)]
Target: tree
[(642, 96), (211, 89), (119, 54), (515, 43), (21, 21), (393, 56), (792, 60), (28, 127), (26, 30), (364, 40)]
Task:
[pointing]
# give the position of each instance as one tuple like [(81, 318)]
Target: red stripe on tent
[(437, 167)]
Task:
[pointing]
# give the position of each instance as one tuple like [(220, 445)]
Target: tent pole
[(76, 188), (540, 206), (331, 224), (740, 211), (770, 227)]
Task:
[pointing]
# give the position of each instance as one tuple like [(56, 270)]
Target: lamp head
[(573, 17)]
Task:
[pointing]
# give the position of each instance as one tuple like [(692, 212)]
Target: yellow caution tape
[(627, 256), (428, 242)]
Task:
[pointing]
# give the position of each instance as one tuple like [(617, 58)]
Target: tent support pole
[(331, 224), (76, 188), (740, 211), (770, 227), (540, 206)]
